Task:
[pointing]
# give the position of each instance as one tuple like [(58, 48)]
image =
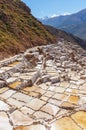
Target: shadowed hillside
[(66, 36)]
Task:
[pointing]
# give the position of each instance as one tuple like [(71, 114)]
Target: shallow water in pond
[(76, 121)]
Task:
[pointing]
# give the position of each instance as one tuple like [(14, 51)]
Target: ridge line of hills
[(73, 23), (19, 30)]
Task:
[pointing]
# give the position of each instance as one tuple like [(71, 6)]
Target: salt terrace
[(44, 89)]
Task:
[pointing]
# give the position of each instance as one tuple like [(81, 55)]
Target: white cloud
[(56, 15), (66, 14)]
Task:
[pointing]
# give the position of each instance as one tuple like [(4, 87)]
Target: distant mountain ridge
[(66, 36), (74, 23)]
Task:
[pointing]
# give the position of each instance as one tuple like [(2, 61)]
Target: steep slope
[(78, 30), (66, 36), (74, 23), (19, 30)]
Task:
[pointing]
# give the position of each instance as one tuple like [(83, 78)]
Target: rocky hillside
[(19, 30)]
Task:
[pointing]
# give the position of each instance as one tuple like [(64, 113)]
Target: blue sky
[(42, 8)]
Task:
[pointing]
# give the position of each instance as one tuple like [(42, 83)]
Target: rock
[(54, 79), (11, 80), (24, 84), (40, 50), (29, 82), (35, 77), (28, 56), (30, 60), (43, 79), (3, 83), (62, 58)]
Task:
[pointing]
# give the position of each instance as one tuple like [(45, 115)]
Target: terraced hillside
[(44, 89)]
